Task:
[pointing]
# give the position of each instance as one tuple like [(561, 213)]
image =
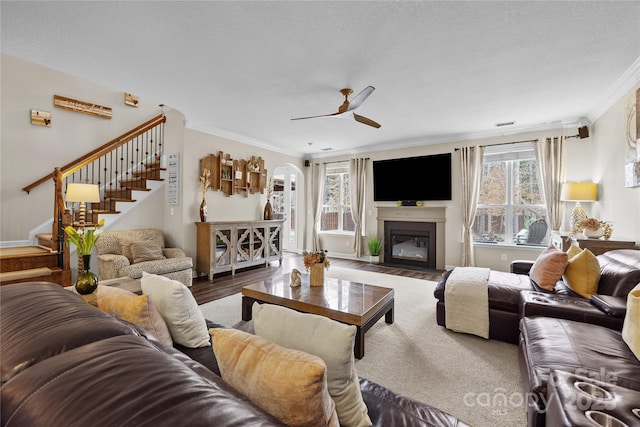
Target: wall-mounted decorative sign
[(41, 118), (130, 99), (173, 169), (82, 106)]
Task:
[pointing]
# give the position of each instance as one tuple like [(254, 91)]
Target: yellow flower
[(84, 239)]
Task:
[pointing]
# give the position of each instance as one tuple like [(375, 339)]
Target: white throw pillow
[(179, 309), (327, 339)]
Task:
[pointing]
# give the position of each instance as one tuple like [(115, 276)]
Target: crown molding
[(233, 136), (624, 84)]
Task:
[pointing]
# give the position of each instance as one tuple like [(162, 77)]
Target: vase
[(316, 275), (593, 234), (268, 211), (87, 282), (203, 210)]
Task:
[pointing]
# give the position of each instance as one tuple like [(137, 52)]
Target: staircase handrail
[(91, 156)]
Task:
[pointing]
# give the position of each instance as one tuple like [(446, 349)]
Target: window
[(511, 199), (336, 207)]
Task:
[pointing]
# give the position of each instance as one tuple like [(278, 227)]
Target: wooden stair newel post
[(61, 218)]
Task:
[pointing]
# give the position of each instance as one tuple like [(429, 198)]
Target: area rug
[(473, 379)]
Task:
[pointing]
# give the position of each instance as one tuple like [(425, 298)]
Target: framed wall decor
[(41, 118), (82, 107), (130, 99), (173, 169)]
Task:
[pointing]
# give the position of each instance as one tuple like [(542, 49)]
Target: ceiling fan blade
[(317, 117), (365, 120), (360, 98)]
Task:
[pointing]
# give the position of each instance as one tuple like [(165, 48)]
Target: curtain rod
[(506, 143), (340, 161)]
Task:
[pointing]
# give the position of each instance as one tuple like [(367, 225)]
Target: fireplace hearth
[(410, 244)]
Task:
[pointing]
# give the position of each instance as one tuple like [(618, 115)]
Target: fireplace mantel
[(436, 214)]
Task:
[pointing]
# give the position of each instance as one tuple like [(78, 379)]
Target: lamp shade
[(82, 193), (579, 192)]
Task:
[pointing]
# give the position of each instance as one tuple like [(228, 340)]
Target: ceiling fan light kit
[(346, 110)]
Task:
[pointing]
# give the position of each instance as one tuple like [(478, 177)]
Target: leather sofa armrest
[(174, 253), (610, 305), (519, 266)]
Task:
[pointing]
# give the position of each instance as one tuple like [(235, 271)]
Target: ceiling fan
[(347, 108)]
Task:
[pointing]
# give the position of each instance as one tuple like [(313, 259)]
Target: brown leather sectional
[(565, 340), (63, 363)]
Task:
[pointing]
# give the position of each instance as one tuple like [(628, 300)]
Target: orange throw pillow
[(548, 268)]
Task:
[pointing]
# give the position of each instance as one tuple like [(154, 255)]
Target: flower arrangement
[(316, 257), (84, 238), (590, 224), (205, 181)]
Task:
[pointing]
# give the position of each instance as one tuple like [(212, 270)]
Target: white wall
[(30, 152), (220, 207)]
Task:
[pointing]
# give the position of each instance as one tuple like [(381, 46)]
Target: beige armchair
[(127, 253)]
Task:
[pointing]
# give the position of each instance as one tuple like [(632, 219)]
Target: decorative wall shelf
[(237, 176)]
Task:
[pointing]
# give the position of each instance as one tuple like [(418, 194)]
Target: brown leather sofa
[(63, 362), (619, 273), (549, 347)]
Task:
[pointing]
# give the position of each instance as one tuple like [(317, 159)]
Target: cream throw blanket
[(466, 300)]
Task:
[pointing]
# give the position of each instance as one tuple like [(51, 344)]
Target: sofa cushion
[(582, 273), (631, 326), (179, 309), (160, 267), (288, 384), (331, 341), (504, 290), (124, 381), (619, 272), (548, 268), (594, 351), (146, 251), (137, 309), (33, 329)]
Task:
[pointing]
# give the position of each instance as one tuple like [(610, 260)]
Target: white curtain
[(317, 200), (357, 188), (551, 159), (471, 161)]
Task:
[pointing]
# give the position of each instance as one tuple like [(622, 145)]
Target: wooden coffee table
[(348, 302)]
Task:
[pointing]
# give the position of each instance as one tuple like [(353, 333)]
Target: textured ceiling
[(442, 70)]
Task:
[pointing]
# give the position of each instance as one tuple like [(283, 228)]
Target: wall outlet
[(503, 257)]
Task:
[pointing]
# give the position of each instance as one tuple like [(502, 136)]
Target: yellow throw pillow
[(582, 274), (573, 251), (631, 325), (289, 384), (329, 340), (548, 268), (137, 309)]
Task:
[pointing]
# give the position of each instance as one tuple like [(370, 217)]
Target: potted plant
[(375, 247)]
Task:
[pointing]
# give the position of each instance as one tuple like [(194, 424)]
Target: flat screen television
[(412, 178)]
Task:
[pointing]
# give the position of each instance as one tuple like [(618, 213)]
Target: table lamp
[(82, 193), (579, 192)]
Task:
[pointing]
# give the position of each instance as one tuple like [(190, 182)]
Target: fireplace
[(410, 243), (425, 223)]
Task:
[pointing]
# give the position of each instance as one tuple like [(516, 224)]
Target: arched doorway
[(286, 203)]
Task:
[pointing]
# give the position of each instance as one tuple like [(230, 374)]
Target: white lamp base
[(577, 214)]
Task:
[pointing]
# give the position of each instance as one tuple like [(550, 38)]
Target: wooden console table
[(562, 241), (229, 245)]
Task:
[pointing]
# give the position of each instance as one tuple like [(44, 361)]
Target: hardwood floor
[(225, 284)]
